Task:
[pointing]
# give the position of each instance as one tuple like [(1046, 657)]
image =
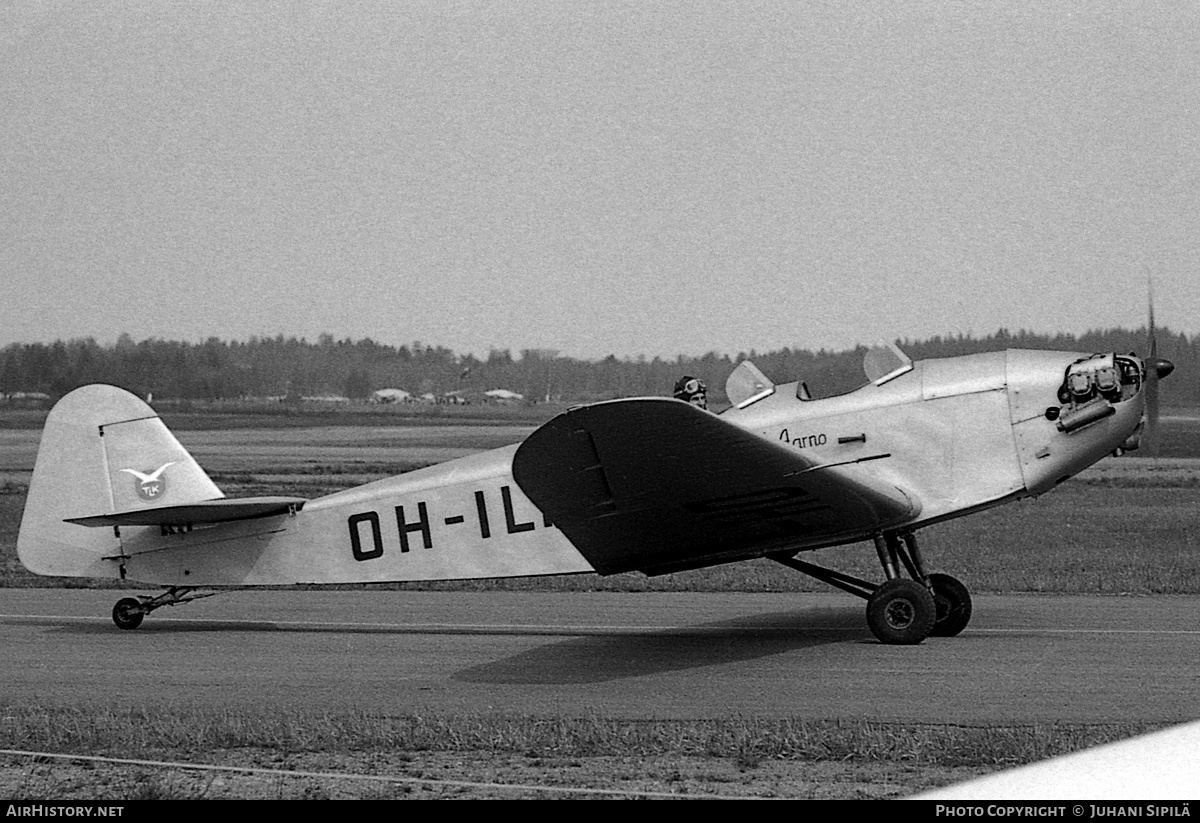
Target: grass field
[(737, 756), (1089, 536), (1126, 526), (236, 414)]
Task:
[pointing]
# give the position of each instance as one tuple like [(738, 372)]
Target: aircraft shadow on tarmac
[(586, 654), (613, 656), (168, 626)]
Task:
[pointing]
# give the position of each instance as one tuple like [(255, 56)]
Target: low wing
[(656, 485), (191, 514)]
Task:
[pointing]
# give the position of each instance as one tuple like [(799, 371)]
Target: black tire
[(953, 604), (128, 613), (901, 612)]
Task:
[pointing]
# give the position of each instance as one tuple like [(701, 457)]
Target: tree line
[(290, 367)]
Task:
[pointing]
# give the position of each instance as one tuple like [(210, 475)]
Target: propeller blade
[(1156, 369), (1150, 437), (1152, 343)]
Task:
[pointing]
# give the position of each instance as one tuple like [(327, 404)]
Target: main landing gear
[(129, 611), (901, 611)]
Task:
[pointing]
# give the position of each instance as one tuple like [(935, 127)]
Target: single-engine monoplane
[(651, 484)]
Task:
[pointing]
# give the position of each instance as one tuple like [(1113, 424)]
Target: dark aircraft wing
[(658, 485)]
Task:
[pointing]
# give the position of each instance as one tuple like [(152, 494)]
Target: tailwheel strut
[(900, 611), (129, 612)]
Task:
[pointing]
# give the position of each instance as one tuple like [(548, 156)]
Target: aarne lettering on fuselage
[(804, 441)]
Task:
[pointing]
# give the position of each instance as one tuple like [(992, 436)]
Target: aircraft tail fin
[(103, 451)]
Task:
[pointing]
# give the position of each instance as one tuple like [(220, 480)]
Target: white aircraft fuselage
[(960, 434), (954, 435)]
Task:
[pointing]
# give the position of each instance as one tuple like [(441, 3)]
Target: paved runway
[(1022, 659)]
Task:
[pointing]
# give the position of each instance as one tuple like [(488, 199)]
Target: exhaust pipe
[(1085, 415)]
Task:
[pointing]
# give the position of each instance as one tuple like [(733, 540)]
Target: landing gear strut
[(901, 611), (129, 612)]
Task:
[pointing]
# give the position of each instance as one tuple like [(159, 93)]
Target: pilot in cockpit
[(692, 390)]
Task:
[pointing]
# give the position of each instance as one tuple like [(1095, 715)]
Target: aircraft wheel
[(128, 614), (953, 603), (901, 612)]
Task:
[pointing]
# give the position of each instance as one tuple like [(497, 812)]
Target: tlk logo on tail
[(150, 487)]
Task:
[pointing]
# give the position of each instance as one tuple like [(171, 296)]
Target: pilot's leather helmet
[(692, 390)]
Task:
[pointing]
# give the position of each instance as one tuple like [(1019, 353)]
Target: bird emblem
[(152, 486)]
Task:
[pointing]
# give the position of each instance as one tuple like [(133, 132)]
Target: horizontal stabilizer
[(210, 511)]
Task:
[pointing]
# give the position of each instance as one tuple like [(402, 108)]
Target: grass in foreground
[(747, 739), (736, 755)]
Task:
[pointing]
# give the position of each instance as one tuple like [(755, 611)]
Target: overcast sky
[(597, 177)]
